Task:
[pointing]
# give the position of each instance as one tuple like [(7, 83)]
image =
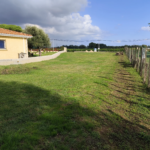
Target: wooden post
[(135, 63), (142, 67), (138, 65), (131, 55), (134, 57), (149, 75), (138, 53), (145, 73), (140, 62), (143, 63), (128, 53)]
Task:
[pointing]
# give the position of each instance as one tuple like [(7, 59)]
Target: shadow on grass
[(35, 118), (125, 64)]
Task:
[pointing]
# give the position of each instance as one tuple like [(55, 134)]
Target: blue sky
[(82, 20), (120, 19)]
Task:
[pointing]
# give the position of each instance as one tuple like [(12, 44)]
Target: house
[(13, 45)]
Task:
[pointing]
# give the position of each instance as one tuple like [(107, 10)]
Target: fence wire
[(140, 59)]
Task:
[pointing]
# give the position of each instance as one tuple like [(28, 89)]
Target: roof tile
[(6, 31)]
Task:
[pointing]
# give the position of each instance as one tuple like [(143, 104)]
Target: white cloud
[(146, 28), (73, 27), (118, 41), (59, 18)]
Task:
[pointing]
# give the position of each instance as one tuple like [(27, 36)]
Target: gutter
[(12, 35)]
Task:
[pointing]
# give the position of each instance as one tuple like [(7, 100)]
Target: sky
[(112, 22)]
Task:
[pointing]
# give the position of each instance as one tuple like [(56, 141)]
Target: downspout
[(23, 45), (27, 47)]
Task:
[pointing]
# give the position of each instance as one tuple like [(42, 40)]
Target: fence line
[(138, 58)]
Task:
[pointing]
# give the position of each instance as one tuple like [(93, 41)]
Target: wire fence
[(140, 59)]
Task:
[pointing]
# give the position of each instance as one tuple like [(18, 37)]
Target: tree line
[(41, 40)]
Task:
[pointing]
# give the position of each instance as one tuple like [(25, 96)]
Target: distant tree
[(92, 45), (11, 27), (144, 46), (95, 45), (61, 48), (82, 46), (40, 38)]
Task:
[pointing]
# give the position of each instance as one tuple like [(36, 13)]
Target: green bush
[(11, 27), (103, 49)]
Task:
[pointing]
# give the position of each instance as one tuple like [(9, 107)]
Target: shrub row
[(46, 49), (104, 49)]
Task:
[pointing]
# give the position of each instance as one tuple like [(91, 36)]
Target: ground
[(78, 101)]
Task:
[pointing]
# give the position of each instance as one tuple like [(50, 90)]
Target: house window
[(2, 44)]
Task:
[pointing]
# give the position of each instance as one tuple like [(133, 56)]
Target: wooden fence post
[(135, 65), (149, 75), (131, 55), (128, 53), (140, 62), (134, 57), (144, 62), (145, 73), (138, 65)]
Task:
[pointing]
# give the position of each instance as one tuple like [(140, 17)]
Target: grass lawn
[(78, 101), (45, 54)]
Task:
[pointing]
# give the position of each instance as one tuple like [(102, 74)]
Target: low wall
[(5, 62)]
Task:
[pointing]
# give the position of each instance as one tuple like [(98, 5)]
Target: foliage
[(40, 38), (103, 49), (82, 46), (95, 45), (61, 48), (144, 46), (11, 27)]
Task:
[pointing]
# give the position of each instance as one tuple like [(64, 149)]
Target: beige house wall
[(13, 46)]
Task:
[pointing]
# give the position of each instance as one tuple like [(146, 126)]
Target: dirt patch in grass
[(16, 70)]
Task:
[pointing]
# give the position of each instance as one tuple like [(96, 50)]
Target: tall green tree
[(92, 45), (11, 27), (144, 46), (82, 46), (40, 38)]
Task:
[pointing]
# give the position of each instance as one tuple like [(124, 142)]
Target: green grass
[(78, 101)]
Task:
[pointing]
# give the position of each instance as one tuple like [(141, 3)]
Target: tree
[(11, 27), (92, 45), (40, 38), (144, 46), (82, 46)]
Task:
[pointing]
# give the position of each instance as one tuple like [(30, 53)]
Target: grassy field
[(78, 101)]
